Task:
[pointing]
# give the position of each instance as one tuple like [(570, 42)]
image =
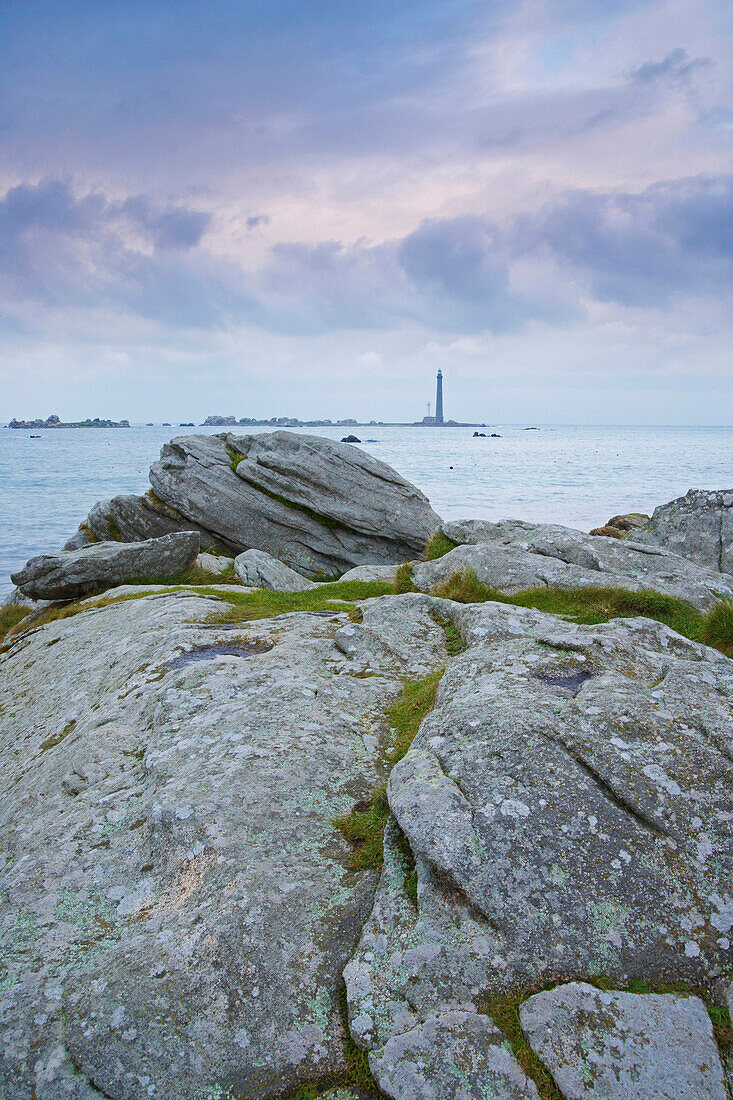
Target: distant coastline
[(56, 422), (294, 422)]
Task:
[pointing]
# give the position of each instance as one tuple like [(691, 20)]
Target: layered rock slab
[(72, 573), (624, 1046), (514, 555), (135, 518), (319, 506), (699, 526), (567, 807), (176, 903)]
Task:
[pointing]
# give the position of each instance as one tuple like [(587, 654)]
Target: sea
[(577, 476)]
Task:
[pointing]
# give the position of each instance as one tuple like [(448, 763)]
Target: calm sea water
[(576, 476)]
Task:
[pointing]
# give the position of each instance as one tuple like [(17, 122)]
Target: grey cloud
[(175, 227), (677, 65), (255, 220), (60, 250), (464, 274), (51, 205), (672, 240)]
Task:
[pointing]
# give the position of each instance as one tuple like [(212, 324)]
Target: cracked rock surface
[(176, 903), (515, 554), (133, 518), (567, 806), (177, 909)]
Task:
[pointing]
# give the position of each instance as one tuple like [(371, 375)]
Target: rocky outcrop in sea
[(319, 506), (197, 900)]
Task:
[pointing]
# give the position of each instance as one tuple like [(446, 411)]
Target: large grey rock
[(261, 570), (624, 1046), (567, 808), (699, 526), (515, 555), (176, 905), (132, 518), (72, 573), (319, 506)]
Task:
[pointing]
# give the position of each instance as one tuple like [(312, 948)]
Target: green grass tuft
[(403, 580), (453, 638), (194, 575), (406, 714), (10, 616), (264, 603), (437, 545), (718, 629), (235, 457), (504, 1011), (465, 587), (594, 604), (364, 826)]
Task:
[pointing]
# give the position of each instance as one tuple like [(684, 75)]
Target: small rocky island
[(56, 422), (305, 792)]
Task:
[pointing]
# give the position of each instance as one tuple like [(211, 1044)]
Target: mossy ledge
[(585, 606), (596, 604), (364, 826)]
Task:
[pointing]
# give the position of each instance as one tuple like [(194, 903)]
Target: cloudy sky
[(271, 207)]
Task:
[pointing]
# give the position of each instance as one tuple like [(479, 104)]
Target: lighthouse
[(439, 399)]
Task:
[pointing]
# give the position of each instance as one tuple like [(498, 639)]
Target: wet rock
[(624, 1046), (176, 904), (319, 506), (699, 526), (566, 811), (261, 570), (351, 439), (72, 573), (514, 554)]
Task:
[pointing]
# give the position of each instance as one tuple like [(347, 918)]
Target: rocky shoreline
[(56, 422), (347, 801)]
